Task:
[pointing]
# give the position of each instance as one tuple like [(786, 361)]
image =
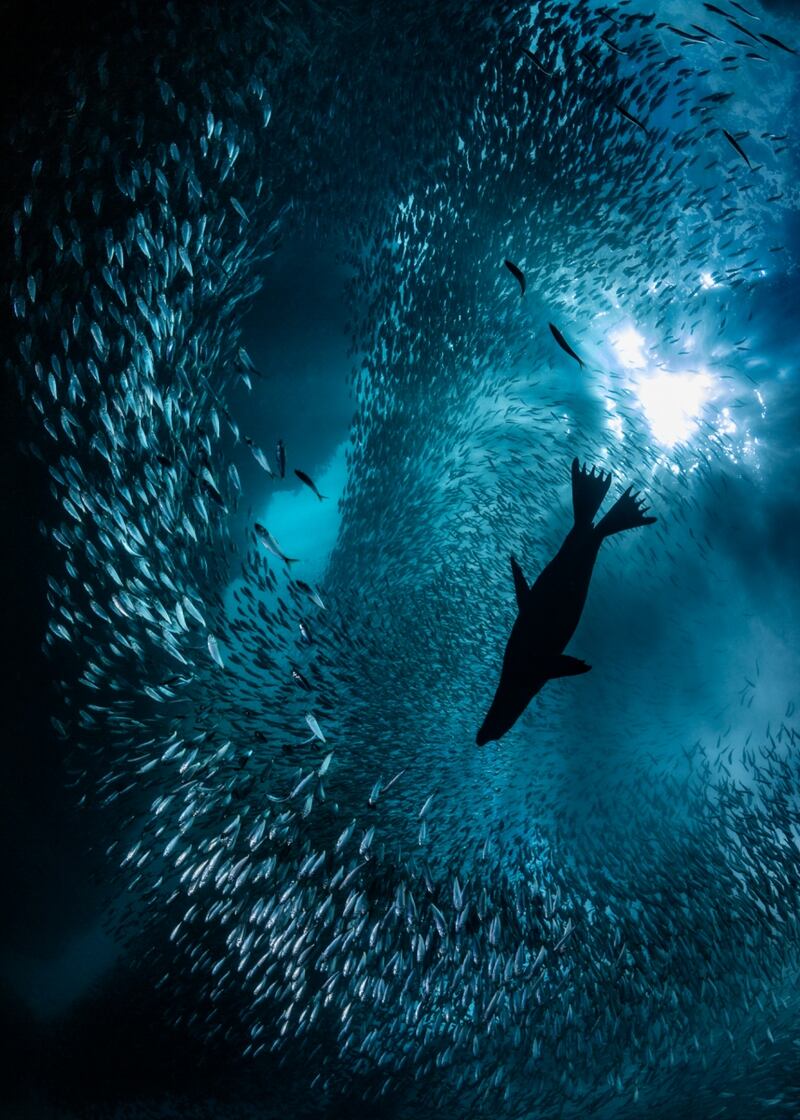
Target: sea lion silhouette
[(549, 611)]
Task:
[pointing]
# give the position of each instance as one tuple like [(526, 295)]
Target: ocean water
[(426, 255)]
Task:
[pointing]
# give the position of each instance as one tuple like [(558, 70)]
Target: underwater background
[(254, 863)]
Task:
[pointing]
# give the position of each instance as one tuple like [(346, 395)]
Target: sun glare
[(628, 345), (672, 402)]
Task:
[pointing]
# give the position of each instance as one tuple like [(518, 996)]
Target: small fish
[(562, 342), (191, 609), (630, 117), (743, 30), (346, 835), (259, 456), (439, 920), (280, 457), (737, 147), (536, 62), (307, 589), (272, 545), (686, 34), (208, 486), (399, 774), (301, 680), (777, 43), (424, 810), (245, 359), (309, 483), (240, 210), (518, 275), (316, 732), (706, 32), (213, 649), (610, 43)]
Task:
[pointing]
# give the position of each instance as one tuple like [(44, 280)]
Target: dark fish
[(742, 8), (536, 62), (610, 43), (686, 34), (630, 117), (562, 342), (549, 611), (309, 483), (300, 679), (280, 456), (584, 53), (734, 144), (777, 43), (705, 31), (518, 275), (744, 31)]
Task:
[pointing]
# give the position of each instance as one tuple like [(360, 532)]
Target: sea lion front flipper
[(520, 584), (564, 666)]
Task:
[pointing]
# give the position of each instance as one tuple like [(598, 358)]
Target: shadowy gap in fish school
[(293, 405)]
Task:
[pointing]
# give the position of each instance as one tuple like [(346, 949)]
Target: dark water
[(255, 863)]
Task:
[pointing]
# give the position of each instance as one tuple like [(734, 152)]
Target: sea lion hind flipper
[(628, 512), (520, 583), (562, 665), (589, 487)]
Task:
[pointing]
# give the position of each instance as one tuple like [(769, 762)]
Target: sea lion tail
[(588, 490), (628, 512)]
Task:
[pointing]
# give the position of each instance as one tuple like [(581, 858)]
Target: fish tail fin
[(322, 497), (291, 559), (628, 512), (588, 490)]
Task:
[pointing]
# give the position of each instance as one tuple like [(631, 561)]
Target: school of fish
[(300, 826)]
